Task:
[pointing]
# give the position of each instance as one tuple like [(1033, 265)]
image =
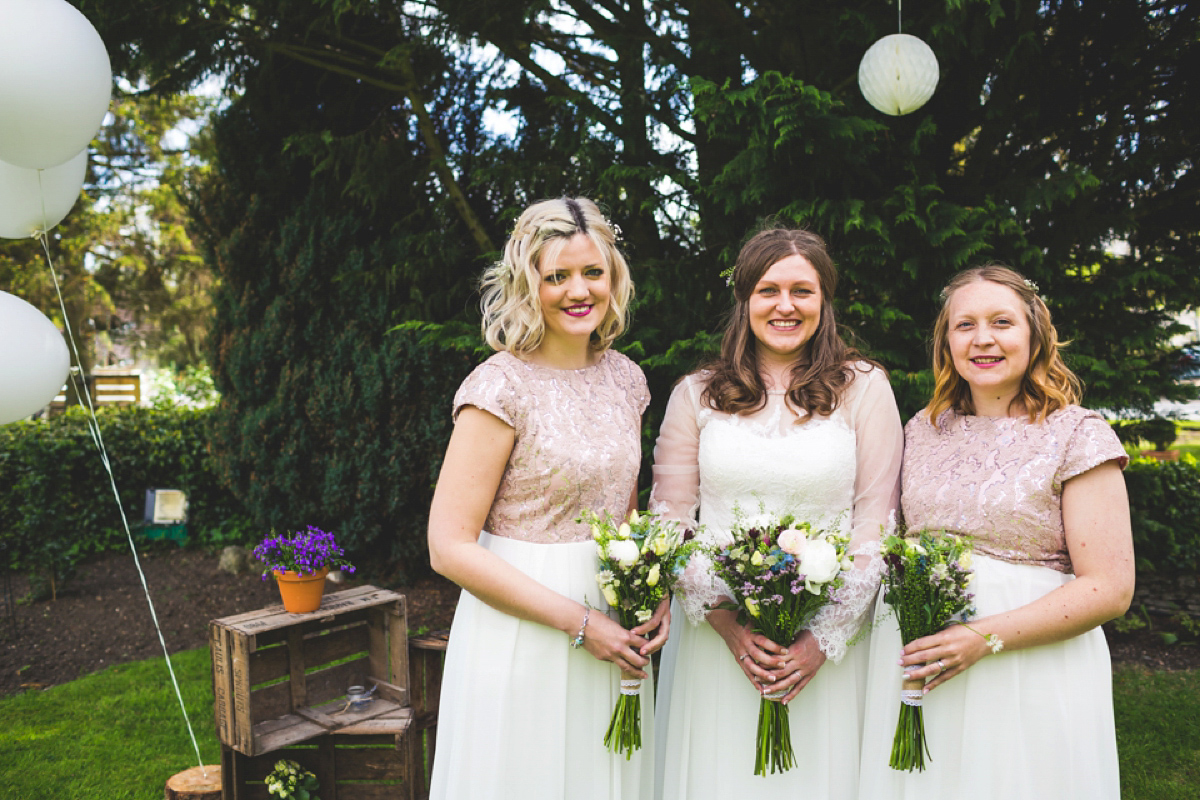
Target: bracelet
[(577, 642)]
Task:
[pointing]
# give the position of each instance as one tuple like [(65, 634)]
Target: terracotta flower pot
[(301, 593)]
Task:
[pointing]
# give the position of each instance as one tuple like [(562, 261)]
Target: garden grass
[(1158, 733), (118, 733)]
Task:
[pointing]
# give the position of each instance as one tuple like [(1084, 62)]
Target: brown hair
[(820, 375), (1049, 384)]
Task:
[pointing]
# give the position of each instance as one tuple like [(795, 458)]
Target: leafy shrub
[(1159, 431), (1164, 505), (56, 502)]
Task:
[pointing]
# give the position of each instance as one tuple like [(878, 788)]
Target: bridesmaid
[(547, 427), (1004, 454)]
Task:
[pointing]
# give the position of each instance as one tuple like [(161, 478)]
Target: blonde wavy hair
[(1049, 384), (512, 310)]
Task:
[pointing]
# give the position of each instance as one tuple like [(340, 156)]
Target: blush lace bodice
[(577, 442), (999, 479), (841, 470)]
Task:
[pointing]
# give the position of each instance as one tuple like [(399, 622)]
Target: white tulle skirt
[(522, 714), (1034, 724), (708, 722)]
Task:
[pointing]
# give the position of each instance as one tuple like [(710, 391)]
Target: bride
[(789, 419)]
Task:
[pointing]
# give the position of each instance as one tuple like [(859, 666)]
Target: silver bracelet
[(577, 642)]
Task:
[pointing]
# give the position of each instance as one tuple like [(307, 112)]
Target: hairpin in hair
[(1033, 287)]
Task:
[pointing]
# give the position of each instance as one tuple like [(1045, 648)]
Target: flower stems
[(909, 748), (774, 743), (624, 734)]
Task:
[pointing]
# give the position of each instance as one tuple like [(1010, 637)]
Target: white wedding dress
[(842, 470)]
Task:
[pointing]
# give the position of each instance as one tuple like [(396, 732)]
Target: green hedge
[(1164, 504), (56, 501)]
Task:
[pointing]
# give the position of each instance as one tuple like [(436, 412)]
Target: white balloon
[(33, 359), (55, 82), (898, 74), (37, 199)]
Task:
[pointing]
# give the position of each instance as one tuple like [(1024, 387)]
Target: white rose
[(610, 595), (624, 551), (820, 562), (624, 532), (662, 543), (756, 559), (793, 542)]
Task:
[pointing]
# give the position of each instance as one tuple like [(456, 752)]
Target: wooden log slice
[(194, 784)]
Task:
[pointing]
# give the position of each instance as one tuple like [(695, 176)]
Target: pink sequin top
[(578, 442), (1000, 479)]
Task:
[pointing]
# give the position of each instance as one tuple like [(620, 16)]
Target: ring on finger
[(941, 666), (743, 656)]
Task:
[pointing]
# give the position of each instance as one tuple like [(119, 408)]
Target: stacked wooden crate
[(280, 682)]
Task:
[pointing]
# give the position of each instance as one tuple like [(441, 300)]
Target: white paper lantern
[(898, 74), (33, 359), (33, 200), (55, 82)]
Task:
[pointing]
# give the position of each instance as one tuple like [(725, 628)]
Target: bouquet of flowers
[(290, 781), (636, 570), (925, 582), (781, 573)]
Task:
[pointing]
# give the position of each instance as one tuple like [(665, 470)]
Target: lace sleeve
[(879, 445), (676, 494), (676, 491)]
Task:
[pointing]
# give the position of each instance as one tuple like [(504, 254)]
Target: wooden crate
[(349, 764), (281, 678), (426, 657)]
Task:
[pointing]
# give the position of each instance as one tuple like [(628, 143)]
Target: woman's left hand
[(660, 622), (799, 666), (938, 658)]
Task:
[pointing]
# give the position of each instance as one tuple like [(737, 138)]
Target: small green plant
[(290, 781), (1128, 624), (1190, 626)]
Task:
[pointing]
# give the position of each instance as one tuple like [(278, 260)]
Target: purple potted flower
[(300, 561)]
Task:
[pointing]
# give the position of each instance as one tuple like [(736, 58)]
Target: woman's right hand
[(757, 655), (606, 640)]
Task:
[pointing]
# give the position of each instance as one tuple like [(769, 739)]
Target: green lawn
[(118, 733), (112, 735)]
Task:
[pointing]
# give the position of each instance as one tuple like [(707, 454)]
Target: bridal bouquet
[(925, 582), (637, 558), (781, 573)]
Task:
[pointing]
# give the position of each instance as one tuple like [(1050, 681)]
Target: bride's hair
[(1048, 385), (826, 367)]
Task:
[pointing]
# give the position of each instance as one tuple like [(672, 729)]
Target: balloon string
[(97, 437), (45, 227)]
